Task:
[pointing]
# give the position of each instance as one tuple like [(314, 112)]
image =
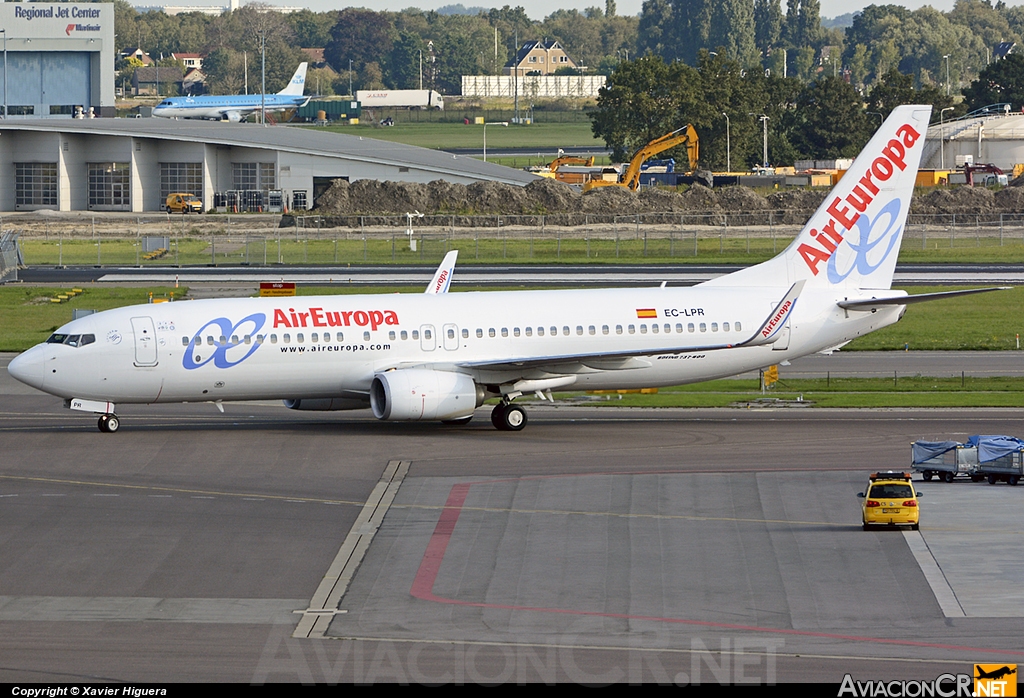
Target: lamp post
[(763, 118), (946, 58), (421, 65), (942, 136), (490, 123), (728, 144), (4, 32), (263, 79)]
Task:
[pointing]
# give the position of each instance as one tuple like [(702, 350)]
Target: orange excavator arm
[(687, 134), (571, 160)]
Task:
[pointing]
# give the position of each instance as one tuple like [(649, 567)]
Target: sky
[(538, 9)]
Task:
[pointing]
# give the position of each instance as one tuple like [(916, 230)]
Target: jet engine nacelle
[(412, 394), (233, 116), (325, 404)]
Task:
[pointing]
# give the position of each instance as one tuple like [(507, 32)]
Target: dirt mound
[(447, 197), (661, 200), (612, 199), (495, 197), (1010, 200), (551, 196), (698, 198), (958, 200), (740, 199), (794, 206), (335, 199), (372, 196)]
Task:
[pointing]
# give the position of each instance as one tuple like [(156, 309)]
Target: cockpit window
[(71, 340)]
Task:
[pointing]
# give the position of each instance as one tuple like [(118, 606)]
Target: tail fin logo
[(862, 250), (846, 213)]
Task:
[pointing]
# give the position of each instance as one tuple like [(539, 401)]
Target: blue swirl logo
[(865, 244), (222, 352)]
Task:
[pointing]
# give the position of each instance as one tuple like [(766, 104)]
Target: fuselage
[(217, 107), (329, 346)]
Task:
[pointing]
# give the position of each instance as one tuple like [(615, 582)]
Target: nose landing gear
[(109, 423)]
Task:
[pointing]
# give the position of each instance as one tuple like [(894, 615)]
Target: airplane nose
[(27, 367)]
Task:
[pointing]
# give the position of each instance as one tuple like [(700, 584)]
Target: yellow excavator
[(567, 177), (631, 177)]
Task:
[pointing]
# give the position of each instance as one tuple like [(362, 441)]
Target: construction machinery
[(631, 177)]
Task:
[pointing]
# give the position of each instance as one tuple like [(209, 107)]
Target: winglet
[(443, 276), (769, 331)]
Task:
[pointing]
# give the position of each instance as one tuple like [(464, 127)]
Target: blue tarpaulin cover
[(926, 450), (991, 447)]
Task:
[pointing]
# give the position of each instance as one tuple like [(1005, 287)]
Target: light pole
[(4, 32), (263, 83), (946, 58), (490, 123), (728, 145), (421, 64), (763, 118), (942, 136), (350, 94)]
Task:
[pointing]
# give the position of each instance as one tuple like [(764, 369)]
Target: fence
[(265, 240), (10, 256)]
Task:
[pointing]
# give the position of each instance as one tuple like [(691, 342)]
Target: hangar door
[(47, 83)]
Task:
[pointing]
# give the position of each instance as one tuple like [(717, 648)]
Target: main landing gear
[(109, 423), (508, 417)]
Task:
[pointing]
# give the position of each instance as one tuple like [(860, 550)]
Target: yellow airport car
[(890, 501), (183, 203)]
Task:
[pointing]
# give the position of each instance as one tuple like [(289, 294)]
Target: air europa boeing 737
[(438, 355)]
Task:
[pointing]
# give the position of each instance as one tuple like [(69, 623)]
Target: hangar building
[(57, 57), (133, 164)]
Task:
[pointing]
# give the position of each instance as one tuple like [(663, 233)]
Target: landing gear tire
[(508, 417), (109, 423)]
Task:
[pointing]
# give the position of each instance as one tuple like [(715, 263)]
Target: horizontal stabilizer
[(871, 303)]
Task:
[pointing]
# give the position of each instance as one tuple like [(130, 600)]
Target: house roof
[(532, 45)]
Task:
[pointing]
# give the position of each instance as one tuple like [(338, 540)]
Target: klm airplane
[(235, 107)]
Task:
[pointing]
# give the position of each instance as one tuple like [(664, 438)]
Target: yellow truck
[(183, 203)]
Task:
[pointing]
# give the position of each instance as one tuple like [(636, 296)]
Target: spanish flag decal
[(646, 312)]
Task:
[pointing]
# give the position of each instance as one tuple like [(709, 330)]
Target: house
[(144, 81), (138, 54), (194, 82), (189, 60), (539, 58)]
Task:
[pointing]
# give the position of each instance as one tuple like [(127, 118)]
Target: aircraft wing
[(888, 299), (767, 333)]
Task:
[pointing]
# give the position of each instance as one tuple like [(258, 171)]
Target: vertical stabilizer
[(853, 239), (297, 84)]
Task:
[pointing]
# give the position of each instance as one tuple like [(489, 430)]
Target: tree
[(896, 88), (360, 36), (656, 32), (1002, 81), (767, 25), (829, 120)]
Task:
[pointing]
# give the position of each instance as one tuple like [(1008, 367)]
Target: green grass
[(446, 136), (27, 316), (483, 246), (916, 391)]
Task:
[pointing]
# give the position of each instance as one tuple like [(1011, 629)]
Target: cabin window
[(725, 327), (247, 339), (643, 328), (300, 338), (604, 329), (668, 328), (554, 331), (714, 327), (479, 333), (540, 331), (632, 329), (579, 329), (223, 341), (391, 335), (260, 338), (184, 341), (504, 332), (273, 339), (737, 327), (314, 337), (366, 336), (465, 333), (415, 334), (491, 332), (327, 336), (618, 329), (703, 327), (690, 327), (404, 335), (565, 330), (427, 334), (679, 327), (592, 330), (654, 329), (515, 331), (286, 338), (529, 331)]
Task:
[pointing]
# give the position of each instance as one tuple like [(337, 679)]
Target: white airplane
[(235, 107), (438, 356)]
